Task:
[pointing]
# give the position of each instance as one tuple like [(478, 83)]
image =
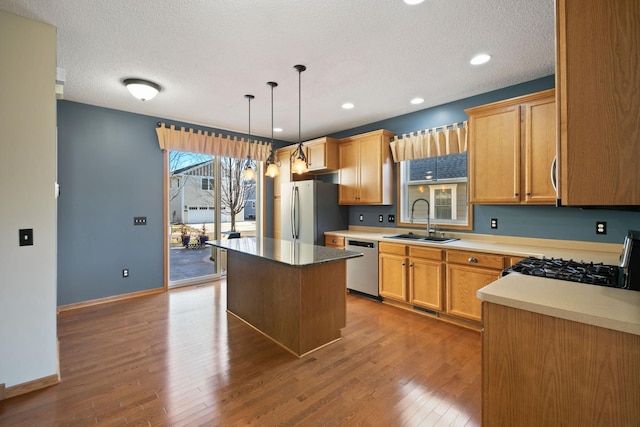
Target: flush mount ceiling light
[(348, 105), (412, 2), (299, 159), (273, 164), (249, 173), (144, 90), (479, 59), (416, 101)]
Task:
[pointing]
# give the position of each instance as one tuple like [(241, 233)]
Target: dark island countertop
[(293, 253)]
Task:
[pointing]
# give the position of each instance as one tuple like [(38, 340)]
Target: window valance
[(438, 141), (197, 141)]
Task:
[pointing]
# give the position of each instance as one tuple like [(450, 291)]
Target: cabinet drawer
[(477, 259), (334, 240), (425, 253), (392, 248)]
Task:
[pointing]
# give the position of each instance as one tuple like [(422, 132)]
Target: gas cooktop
[(555, 268)]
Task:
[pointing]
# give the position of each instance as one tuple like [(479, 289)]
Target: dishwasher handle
[(361, 244)]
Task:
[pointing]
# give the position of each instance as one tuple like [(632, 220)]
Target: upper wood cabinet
[(512, 145), (366, 172), (598, 77), (322, 154)]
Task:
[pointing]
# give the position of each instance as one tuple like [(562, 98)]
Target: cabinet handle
[(473, 259), (334, 241), (411, 265), (516, 194), (403, 264), (528, 193)]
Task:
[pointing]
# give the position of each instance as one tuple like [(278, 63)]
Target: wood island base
[(302, 308)]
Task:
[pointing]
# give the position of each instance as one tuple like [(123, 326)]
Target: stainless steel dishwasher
[(362, 272)]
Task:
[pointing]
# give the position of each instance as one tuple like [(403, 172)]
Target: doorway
[(207, 199)]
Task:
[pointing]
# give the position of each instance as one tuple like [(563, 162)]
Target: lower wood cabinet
[(334, 242), (467, 272), (426, 277), (439, 280), (411, 274), (392, 271)]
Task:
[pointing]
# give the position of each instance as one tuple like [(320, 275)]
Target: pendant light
[(299, 159), (249, 173), (273, 165)]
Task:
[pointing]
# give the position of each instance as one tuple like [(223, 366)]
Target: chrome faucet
[(428, 210)]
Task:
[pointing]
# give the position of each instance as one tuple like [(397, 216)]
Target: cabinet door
[(599, 131), (540, 150), (348, 175), (462, 284), (316, 156), (494, 153), (370, 170), (392, 276), (425, 281)]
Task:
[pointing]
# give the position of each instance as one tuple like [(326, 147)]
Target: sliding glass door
[(208, 199)]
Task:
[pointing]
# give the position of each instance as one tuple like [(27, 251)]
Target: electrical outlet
[(125, 272), (139, 220), (392, 218), (361, 217), (494, 223), (380, 218), (601, 227)]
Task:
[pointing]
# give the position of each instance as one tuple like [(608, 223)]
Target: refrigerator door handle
[(292, 212), (296, 216)]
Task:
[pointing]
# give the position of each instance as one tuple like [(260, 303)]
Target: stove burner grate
[(555, 268)]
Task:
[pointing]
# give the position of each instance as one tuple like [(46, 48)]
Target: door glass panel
[(192, 217), (237, 199)]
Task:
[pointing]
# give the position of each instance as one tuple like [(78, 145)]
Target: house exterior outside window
[(440, 180), (206, 184)]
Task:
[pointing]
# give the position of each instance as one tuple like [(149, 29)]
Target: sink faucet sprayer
[(428, 210)]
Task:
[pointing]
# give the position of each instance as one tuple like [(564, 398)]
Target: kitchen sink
[(420, 238)]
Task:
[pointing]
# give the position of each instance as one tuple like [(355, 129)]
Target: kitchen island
[(294, 293)]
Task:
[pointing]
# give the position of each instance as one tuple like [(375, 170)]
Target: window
[(439, 183), (207, 184)]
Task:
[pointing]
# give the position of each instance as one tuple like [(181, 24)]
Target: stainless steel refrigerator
[(309, 208)]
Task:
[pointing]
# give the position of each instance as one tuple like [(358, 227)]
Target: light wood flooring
[(177, 358)]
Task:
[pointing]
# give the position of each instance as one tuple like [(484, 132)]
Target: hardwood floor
[(177, 358)]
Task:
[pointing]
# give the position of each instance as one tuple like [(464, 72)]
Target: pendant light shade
[(299, 160), (144, 90), (249, 172), (273, 165)]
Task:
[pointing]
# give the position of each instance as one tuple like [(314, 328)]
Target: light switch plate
[(26, 236)]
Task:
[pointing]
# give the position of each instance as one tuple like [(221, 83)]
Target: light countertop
[(295, 254), (611, 308), (606, 253)]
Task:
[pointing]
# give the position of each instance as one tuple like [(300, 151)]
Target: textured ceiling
[(377, 54)]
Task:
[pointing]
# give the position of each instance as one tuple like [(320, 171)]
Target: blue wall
[(109, 170), (523, 221)]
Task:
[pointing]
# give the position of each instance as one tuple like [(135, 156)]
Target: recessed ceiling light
[(347, 106), (416, 101), (480, 59), (277, 129), (412, 2)]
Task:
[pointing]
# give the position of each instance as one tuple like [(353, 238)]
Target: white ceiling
[(377, 54)]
